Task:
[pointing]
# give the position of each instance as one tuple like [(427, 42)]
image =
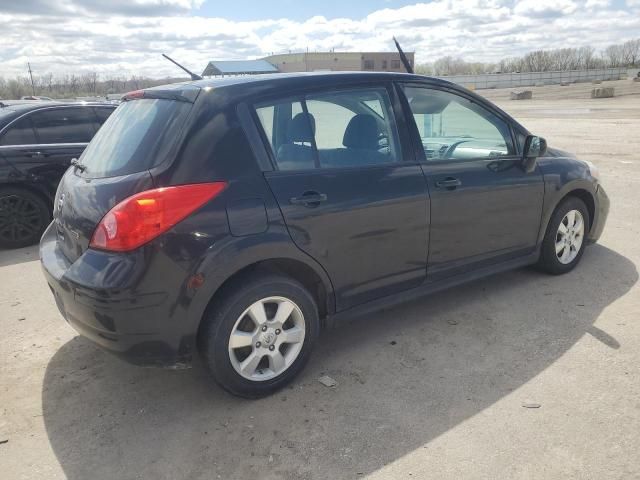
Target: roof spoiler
[(188, 95)]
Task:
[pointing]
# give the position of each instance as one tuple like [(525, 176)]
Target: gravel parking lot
[(438, 388)]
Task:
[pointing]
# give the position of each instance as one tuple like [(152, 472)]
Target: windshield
[(136, 137)]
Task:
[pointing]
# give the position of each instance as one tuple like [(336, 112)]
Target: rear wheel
[(564, 241), (259, 334), (23, 218)]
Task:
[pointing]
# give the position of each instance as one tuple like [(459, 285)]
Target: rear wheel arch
[(27, 218), (292, 268), (31, 189)]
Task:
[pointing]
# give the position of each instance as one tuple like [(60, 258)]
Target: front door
[(484, 207), (349, 197)]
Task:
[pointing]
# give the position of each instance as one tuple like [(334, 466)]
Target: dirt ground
[(431, 389)]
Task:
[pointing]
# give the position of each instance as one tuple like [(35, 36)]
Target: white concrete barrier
[(521, 95), (602, 92)]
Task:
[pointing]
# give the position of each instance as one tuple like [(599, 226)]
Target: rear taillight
[(145, 215)]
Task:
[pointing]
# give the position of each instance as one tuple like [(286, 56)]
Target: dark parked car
[(238, 216), (37, 142)]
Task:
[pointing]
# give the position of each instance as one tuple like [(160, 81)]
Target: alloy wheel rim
[(19, 218), (267, 338), (569, 237)]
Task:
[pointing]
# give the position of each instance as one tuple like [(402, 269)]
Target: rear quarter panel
[(215, 148)]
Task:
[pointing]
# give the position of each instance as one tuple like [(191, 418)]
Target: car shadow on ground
[(18, 255), (405, 376)]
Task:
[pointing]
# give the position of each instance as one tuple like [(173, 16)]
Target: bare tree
[(630, 52), (89, 82), (613, 55)]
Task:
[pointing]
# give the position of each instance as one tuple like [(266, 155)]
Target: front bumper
[(112, 309), (600, 215)]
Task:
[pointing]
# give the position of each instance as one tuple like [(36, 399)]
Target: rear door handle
[(309, 199), (449, 183), (36, 154)]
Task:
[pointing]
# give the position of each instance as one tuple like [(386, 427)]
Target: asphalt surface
[(519, 376)]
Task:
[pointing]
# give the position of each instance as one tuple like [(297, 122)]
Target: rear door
[(63, 134), (41, 144), (352, 197), (484, 207)]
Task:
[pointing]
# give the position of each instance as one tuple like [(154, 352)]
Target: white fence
[(529, 79)]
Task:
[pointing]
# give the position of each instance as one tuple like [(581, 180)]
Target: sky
[(126, 37)]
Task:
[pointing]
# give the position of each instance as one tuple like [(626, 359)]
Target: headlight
[(593, 170)]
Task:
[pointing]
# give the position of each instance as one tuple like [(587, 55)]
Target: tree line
[(90, 84), (625, 54)]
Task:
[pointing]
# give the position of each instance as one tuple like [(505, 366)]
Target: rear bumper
[(600, 215), (94, 295)]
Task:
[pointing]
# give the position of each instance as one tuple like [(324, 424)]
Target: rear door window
[(19, 133), (137, 136), (351, 128), (64, 125), (354, 128)]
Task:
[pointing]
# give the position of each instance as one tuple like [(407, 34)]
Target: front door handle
[(449, 183), (309, 199), (36, 154)]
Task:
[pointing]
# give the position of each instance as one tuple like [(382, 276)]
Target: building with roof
[(238, 67), (341, 61), (311, 62)]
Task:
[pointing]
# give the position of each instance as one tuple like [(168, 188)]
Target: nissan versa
[(236, 216)]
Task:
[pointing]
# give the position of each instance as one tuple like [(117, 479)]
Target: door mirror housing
[(534, 147)]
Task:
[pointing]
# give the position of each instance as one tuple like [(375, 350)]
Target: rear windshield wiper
[(76, 163)]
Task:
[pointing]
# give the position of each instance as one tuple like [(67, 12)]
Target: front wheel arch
[(580, 189), (588, 200)]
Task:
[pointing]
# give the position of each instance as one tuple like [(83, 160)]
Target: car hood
[(556, 152)]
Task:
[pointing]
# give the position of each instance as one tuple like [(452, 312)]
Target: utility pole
[(33, 88)]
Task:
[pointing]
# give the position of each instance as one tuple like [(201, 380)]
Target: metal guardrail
[(530, 79)]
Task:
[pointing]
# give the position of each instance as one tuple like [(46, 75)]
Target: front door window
[(452, 127)]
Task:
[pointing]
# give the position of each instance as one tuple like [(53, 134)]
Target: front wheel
[(259, 334), (564, 241)]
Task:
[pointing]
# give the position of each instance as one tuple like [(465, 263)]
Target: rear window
[(136, 137)]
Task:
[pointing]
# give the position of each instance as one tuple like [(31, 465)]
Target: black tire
[(24, 216), (226, 309), (549, 261)]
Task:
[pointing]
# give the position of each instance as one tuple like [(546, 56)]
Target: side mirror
[(534, 147)]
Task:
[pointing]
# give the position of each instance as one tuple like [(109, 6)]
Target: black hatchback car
[(237, 216), (38, 139)]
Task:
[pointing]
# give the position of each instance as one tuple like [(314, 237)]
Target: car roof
[(274, 81), (240, 87), (10, 109), (34, 104), (312, 77), (243, 87)]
